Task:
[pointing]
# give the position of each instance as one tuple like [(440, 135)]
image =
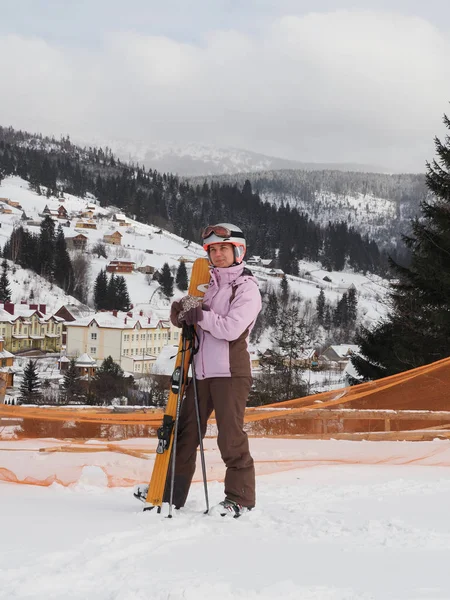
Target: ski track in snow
[(340, 533)]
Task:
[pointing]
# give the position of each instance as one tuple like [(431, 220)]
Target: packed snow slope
[(320, 531), (152, 246)]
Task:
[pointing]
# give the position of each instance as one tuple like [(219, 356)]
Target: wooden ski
[(197, 287)]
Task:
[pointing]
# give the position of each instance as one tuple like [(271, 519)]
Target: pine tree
[(352, 305), (111, 293), (320, 307), (63, 271), (109, 382), (181, 278), (30, 386), (101, 290), (271, 311), (72, 384), (47, 247), (166, 281), (122, 299), (5, 290), (418, 327), (284, 285)]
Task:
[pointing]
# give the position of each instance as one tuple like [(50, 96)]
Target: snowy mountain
[(147, 245), (202, 159), (374, 204)]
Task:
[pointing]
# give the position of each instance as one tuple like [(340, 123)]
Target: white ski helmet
[(225, 233)]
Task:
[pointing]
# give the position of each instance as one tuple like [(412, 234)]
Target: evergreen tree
[(72, 384), (352, 305), (271, 311), (111, 294), (281, 363), (122, 299), (5, 290), (47, 247), (320, 307), (101, 290), (284, 285), (418, 327), (181, 278), (109, 382), (166, 281), (30, 386), (63, 271)]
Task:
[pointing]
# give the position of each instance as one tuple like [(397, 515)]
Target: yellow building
[(28, 327), (132, 339)]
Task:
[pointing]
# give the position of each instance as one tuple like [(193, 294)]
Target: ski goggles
[(220, 231)]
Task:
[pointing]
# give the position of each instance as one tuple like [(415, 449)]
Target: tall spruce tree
[(72, 384), (47, 247), (320, 307), (122, 299), (5, 290), (181, 278), (166, 281), (63, 271), (101, 290), (418, 328), (30, 386)]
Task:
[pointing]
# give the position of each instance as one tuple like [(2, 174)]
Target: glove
[(191, 311), (175, 310)]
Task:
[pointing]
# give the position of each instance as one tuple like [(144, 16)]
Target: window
[(132, 338), (142, 336), (93, 336), (168, 336), (93, 350), (175, 336), (159, 336), (126, 337)]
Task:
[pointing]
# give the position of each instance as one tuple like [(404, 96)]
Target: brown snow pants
[(227, 396)]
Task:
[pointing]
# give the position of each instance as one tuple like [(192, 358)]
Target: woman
[(223, 369)]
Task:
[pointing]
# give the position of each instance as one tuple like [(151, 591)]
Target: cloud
[(338, 86)]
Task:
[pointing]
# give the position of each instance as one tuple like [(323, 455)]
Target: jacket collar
[(226, 276)]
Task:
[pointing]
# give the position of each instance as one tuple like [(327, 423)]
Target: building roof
[(344, 350), (123, 320), (78, 311), (85, 361)]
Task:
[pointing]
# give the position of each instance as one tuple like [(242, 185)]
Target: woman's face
[(221, 255)]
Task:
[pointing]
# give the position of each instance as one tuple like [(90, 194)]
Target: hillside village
[(41, 321)]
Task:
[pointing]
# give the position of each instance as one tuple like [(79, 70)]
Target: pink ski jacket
[(230, 307)]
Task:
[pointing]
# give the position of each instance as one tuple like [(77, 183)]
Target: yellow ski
[(197, 287)]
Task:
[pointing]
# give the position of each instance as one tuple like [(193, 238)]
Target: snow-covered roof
[(85, 361), (343, 350), (78, 311), (123, 320)]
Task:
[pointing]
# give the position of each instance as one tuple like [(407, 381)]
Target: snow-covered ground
[(323, 529)]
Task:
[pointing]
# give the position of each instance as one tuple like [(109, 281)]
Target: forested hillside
[(273, 231)]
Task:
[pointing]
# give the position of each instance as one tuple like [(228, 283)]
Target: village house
[(77, 242), (69, 313), (132, 339), (6, 365), (337, 356), (120, 219), (55, 210), (90, 224), (276, 273), (5, 210), (147, 269), (120, 266), (27, 327), (114, 237)]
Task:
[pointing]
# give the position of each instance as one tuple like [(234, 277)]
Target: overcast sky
[(319, 81)]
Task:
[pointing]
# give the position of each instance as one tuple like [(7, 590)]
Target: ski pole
[(177, 419), (200, 436)]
